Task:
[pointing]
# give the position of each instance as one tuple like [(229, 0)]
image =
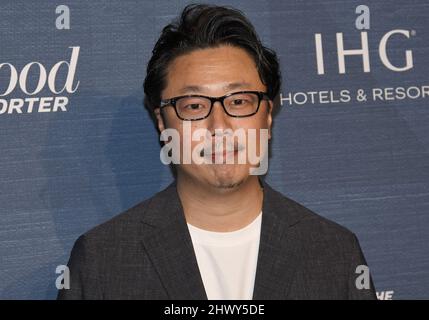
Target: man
[(218, 231)]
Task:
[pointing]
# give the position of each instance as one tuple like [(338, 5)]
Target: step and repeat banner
[(350, 137)]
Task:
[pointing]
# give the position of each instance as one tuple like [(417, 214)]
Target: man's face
[(215, 72)]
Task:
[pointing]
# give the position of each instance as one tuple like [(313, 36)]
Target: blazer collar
[(168, 243)]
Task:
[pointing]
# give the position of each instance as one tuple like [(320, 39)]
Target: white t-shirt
[(227, 260)]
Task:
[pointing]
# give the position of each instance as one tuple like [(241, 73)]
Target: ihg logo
[(363, 49), (18, 80)]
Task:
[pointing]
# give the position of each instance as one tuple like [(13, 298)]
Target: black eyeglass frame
[(172, 102)]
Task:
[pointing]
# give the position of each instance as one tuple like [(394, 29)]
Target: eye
[(194, 106), (239, 102)]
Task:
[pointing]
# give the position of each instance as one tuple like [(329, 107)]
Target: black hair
[(203, 26)]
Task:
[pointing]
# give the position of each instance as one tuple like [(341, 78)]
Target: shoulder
[(317, 240), (126, 226), (308, 223)]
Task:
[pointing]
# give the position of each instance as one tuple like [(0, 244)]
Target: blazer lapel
[(168, 243), (278, 258)]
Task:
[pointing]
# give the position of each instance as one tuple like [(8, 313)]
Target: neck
[(219, 209)]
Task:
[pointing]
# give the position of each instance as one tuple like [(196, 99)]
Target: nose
[(218, 119)]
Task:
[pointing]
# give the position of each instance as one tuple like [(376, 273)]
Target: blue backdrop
[(77, 146)]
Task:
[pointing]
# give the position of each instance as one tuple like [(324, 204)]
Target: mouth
[(223, 154)]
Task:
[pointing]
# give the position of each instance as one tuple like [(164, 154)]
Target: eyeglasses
[(197, 107)]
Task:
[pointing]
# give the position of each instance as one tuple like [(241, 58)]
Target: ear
[(269, 117), (160, 120)]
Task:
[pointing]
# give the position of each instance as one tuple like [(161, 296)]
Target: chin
[(227, 176), (219, 176)]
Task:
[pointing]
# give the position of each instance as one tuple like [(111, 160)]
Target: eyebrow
[(199, 89)]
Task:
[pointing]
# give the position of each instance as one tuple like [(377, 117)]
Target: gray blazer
[(147, 253)]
